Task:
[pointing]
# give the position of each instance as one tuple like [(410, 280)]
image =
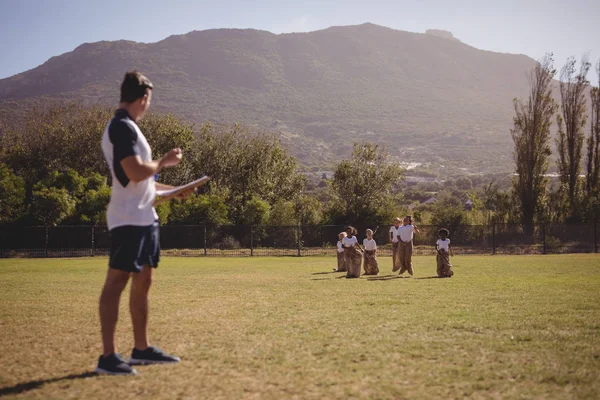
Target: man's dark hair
[(134, 86), (444, 232)]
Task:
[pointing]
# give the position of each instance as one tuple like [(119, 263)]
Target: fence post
[(544, 238), (93, 241), (46, 252), (595, 237), (493, 238), (251, 241), (299, 234), (321, 236), (205, 239)]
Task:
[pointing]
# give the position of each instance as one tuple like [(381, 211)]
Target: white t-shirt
[(350, 242), (394, 232), (406, 233), (340, 248), (443, 244), (370, 244), (131, 203)]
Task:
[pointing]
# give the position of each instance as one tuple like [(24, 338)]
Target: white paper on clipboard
[(191, 185)]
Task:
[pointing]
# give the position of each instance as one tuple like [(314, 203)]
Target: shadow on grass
[(327, 279), (387, 277), (27, 386), (430, 277), (326, 273)]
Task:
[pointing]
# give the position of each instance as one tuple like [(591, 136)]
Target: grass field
[(272, 328)]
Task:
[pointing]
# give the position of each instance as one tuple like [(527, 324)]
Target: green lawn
[(273, 328)]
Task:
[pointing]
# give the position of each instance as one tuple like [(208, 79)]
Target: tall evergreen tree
[(531, 136), (571, 122), (593, 142)]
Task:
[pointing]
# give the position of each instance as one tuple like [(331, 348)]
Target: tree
[(593, 142), (91, 207), (283, 213), (496, 203), (53, 142), (63, 136), (464, 183), (304, 210), (256, 212), (165, 132), (308, 210), (163, 211), (52, 205), (450, 218), (209, 210), (364, 185), (283, 224), (531, 136), (55, 138), (570, 127), (246, 164), (90, 195), (70, 180), (12, 195)]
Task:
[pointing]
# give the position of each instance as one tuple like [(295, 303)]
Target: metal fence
[(199, 240)]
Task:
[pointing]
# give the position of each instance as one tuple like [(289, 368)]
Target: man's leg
[(138, 306), (116, 280), (142, 352)]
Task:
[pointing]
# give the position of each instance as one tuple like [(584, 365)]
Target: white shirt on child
[(350, 242), (370, 245), (406, 232), (394, 232), (340, 248), (443, 244)]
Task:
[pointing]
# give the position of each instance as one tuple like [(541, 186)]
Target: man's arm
[(162, 186), (138, 170), (126, 152)]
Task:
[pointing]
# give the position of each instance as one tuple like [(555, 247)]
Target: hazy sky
[(32, 31)]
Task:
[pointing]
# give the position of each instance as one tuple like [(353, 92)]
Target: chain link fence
[(232, 240)]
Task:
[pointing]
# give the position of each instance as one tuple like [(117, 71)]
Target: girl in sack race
[(370, 264), (352, 253)]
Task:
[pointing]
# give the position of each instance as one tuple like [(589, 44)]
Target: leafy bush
[(553, 244), (228, 243)]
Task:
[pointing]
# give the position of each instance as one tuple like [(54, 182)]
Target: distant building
[(430, 200), (468, 205)]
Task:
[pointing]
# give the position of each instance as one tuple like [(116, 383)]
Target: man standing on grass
[(133, 225)]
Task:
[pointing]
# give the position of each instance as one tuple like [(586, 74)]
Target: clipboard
[(166, 195)]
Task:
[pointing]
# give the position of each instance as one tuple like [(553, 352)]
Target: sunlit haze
[(32, 31)]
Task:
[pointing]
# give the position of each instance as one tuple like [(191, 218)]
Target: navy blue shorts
[(132, 247)]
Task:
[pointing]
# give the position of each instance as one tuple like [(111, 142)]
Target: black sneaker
[(152, 355), (114, 365)]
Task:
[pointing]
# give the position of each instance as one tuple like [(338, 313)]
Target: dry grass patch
[(503, 327)]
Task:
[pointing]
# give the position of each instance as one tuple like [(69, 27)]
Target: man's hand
[(171, 158), (138, 170), (186, 194)]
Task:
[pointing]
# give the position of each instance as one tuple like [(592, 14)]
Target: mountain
[(428, 97)]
